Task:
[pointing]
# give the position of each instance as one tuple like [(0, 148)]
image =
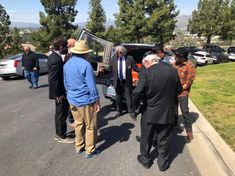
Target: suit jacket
[(130, 64), (55, 76), (161, 86)]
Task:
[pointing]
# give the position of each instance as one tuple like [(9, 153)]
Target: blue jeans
[(32, 77)]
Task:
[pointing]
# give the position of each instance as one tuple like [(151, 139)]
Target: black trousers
[(123, 91), (61, 112), (70, 116), (164, 133), (183, 102)]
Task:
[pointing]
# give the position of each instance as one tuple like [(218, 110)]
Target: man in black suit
[(161, 85), (57, 89), (121, 65)]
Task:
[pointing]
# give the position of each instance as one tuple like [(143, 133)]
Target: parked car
[(189, 49), (203, 58), (12, 66), (213, 48), (231, 53), (193, 60), (217, 52), (104, 50)]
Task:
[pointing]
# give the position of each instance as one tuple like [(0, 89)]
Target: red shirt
[(187, 74)]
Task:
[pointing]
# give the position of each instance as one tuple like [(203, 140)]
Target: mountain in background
[(23, 25), (182, 22)]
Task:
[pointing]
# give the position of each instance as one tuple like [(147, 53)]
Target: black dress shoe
[(118, 114), (145, 165)]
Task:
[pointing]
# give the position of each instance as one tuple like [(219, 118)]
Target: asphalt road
[(27, 146)]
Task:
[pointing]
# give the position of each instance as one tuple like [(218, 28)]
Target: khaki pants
[(85, 127)]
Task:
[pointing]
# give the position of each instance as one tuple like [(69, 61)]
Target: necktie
[(120, 69)]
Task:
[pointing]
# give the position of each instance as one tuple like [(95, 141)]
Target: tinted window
[(41, 56), (199, 55), (14, 57), (208, 55)]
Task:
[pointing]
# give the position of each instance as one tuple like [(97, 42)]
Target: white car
[(12, 66), (203, 57)]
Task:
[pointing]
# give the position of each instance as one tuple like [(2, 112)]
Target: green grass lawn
[(213, 92)]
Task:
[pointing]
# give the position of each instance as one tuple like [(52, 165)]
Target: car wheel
[(6, 77)]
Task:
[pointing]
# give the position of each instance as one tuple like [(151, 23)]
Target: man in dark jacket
[(161, 85), (121, 65), (57, 89), (31, 67)]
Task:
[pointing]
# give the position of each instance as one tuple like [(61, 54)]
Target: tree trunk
[(208, 41)]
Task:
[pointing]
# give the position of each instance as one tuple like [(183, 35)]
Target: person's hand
[(97, 106), (35, 69), (184, 87), (101, 69), (59, 99)]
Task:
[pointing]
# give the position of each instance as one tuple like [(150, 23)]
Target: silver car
[(12, 66)]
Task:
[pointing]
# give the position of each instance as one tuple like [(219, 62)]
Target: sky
[(28, 10)]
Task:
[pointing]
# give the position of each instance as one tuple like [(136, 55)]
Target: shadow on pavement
[(43, 86), (114, 134), (104, 111), (176, 148)]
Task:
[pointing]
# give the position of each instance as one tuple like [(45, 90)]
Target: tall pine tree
[(4, 32), (161, 19), (56, 22), (97, 18), (207, 20), (131, 20)]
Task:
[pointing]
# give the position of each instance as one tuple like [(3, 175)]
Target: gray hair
[(151, 58), (121, 49)]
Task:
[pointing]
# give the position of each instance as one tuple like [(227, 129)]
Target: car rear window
[(14, 57), (199, 55)]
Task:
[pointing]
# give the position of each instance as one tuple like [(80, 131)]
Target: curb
[(216, 157)]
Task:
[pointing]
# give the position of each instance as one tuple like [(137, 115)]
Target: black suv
[(217, 52)]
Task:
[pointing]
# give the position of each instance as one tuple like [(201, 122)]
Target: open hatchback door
[(102, 53)]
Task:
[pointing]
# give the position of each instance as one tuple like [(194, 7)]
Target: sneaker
[(95, 152), (30, 87), (65, 140), (56, 138), (80, 151)]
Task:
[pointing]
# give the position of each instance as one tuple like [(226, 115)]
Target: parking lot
[(27, 145)]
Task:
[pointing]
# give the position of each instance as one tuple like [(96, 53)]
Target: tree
[(232, 18), (113, 34), (226, 28), (4, 32), (131, 20), (16, 42), (56, 22), (161, 19), (10, 41), (97, 18), (207, 20)]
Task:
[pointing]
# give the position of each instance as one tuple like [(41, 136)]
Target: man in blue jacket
[(83, 97)]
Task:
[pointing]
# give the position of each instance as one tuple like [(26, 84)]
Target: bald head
[(71, 43), (26, 48)]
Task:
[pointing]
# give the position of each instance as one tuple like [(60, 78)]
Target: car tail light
[(16, 63)]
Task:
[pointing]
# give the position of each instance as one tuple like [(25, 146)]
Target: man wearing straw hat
[(83, 97)]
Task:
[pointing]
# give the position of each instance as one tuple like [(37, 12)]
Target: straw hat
[(81, 47)]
